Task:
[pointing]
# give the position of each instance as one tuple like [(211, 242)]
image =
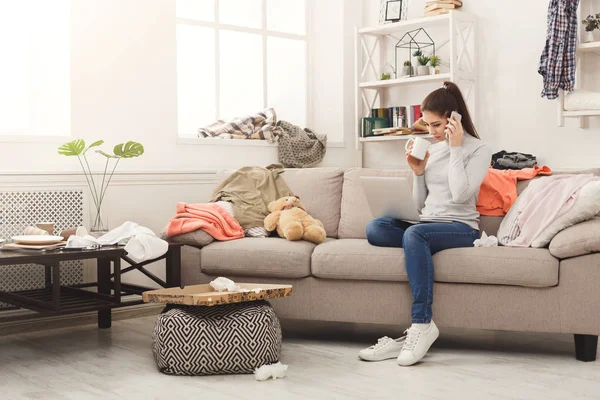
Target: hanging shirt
[(557, 63)]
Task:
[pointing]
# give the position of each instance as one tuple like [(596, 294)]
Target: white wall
[(511, 114), (123, 63)]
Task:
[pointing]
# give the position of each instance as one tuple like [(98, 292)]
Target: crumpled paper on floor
[(486, 241), (222, 284), (272, 370)]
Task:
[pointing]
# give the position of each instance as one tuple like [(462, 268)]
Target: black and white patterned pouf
[(224, 339)]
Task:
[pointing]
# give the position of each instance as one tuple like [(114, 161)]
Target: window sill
[(237, 142), (34, 139)]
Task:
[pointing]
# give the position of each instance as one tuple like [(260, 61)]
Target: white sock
[(421, 327)]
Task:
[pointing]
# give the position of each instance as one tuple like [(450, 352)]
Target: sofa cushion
[(319, 189), (515, 266), (356, 259), (270, 257), (355, 212), (577, 240)]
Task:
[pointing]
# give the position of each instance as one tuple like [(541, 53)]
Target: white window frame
[(265, 33)]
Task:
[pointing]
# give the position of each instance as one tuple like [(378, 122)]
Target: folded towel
[(210, 217)]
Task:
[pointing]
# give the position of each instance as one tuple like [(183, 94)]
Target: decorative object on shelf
[(387, 72), (434, 62), (423, 60), (440, 7), (415, 41), (397, 11), (592, 27), (393, 10), (407, 69), (99, 223)]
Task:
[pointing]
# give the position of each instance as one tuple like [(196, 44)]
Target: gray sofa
[(555, 289)]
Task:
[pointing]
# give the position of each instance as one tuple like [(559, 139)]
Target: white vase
[(422, 70), (98, 222), (593, 36)]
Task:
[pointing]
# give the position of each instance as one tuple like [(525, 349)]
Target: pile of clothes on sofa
[(546, 206), (237, 208)]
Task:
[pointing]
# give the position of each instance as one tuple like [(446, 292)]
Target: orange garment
[(210, 217), (498, 192)]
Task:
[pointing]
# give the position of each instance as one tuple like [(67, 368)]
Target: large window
[(237, 57), (34, 68)]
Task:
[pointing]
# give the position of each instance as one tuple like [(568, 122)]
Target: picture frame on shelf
[(393, 11)]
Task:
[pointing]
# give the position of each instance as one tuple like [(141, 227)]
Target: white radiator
[(19, 210)]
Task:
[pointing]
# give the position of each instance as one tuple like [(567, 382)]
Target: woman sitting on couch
[(445, 188)]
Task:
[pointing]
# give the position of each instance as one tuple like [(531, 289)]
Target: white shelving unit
[(370, 90), (583, 50)]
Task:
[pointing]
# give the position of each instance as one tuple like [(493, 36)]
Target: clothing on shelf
[(506, 160), (261, 126), (300, 148), (557, 62)]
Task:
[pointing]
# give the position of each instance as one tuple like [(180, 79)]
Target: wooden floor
[(86, 363)]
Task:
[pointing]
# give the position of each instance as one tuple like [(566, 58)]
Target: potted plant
[(407, 69), (592, 27), (422, 68), (434, 62), (99, 225)]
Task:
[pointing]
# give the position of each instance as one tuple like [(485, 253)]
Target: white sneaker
[(384, 349), (417, 343)]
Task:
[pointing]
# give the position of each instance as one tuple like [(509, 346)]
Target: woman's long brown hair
[(447, 99)]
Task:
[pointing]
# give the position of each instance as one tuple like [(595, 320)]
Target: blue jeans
[(420, 243)]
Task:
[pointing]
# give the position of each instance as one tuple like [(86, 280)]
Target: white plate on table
[(37, 239)]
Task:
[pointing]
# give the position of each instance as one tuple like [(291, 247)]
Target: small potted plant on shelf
[(592, 27), (387, 72), (434, 62), (407, 69), (423, 60)]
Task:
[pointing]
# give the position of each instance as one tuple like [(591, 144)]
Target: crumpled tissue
[(223, 284), (272, 370), (486, 241)]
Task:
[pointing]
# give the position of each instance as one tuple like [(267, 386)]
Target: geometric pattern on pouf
[(225, 339)]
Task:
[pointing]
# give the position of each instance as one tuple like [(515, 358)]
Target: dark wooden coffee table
[(55, 299)]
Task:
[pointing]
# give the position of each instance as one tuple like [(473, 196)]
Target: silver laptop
[(390, 197)]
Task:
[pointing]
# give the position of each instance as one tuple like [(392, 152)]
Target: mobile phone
[(454, 115)]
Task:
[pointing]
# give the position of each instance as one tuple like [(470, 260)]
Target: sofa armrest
[(577, 240)]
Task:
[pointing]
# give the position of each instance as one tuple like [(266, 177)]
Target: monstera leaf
[(95, 144), (129, 150), (73, 148)]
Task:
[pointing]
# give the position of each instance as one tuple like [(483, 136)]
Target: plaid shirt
[(261, 125), (557, 63)]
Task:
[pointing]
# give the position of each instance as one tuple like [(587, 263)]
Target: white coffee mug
[(419, 149)]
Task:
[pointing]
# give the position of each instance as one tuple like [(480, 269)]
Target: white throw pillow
[(587, 205)]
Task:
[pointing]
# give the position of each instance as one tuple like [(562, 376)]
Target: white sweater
[(449, 188)]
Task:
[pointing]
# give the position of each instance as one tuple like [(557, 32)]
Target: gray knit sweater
[(449, 188)]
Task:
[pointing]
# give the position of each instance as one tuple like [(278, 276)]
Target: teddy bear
[(289, 217)]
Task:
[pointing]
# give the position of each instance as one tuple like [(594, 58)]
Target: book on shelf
[(436, 12), (457, 3), (436, 6)]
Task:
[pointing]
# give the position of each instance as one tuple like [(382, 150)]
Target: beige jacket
[(250, 190)]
